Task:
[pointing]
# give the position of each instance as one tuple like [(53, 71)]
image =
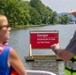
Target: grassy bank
[(26, 26)]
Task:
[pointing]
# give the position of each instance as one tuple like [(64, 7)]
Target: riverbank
[(27, 26)]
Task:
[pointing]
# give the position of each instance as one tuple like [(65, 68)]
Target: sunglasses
[(7, 26)]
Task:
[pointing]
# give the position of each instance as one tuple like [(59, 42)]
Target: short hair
[(2, 18)]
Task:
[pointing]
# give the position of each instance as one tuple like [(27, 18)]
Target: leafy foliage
[(22, 12), (64, 19)]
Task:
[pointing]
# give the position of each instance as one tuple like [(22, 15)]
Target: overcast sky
[(61, 5)]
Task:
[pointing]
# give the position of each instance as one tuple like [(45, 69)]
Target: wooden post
[(30, 52)]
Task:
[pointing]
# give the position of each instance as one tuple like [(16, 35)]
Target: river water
[(20, 42)]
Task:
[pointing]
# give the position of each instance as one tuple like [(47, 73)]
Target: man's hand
[(55, 46)]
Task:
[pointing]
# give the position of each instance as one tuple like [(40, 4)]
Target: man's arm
[(62, 53)]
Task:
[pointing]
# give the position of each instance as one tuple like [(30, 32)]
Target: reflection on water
[(46, 65), (20, 41)]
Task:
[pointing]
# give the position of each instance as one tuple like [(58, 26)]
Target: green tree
[(47, 15), (21, 12), (26, 9), (53, 19), (35, 16), (64, 19)]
